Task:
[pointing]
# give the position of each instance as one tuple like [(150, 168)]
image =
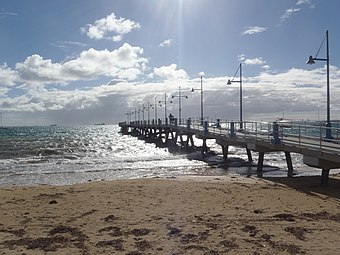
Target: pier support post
[(172, 135), (176, 137), (181, 139), (225, 151), (250, 158), (187, 142), (166, 132), (232, 130), (324, 177), (260, 162), (191, 139), (289, 164), (204, 147)]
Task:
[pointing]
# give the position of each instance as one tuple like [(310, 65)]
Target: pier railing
[(299, 134)]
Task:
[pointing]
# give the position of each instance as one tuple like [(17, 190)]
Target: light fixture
[(311, 61)]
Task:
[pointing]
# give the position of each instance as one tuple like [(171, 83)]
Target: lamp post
[(165, 109), (201, 89), (311, 61), (148, 112), (155, 107), (143, 109), (138, 115), (179, 103), (128, 117), (135, 115), (239, 69)]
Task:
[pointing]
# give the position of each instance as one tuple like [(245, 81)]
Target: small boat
[(99, 124)]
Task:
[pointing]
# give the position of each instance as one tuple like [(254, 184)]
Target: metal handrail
[(290, 133)]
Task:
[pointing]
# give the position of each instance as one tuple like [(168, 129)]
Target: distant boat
[(53, 125), (99, 124)]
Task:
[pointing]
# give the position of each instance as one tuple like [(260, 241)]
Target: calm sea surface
[(66, 155)]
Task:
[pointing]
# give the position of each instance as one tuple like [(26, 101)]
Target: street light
[(138, 115), (128, 117), (311, 61), (179, 103), (143, 109), (148, 112), (201, 89), (165, 111), (135, 115), (239, 69), (154, 106)]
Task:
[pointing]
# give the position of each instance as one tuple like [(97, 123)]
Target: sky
[(84, 62)]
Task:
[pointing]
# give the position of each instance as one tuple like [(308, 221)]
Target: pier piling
[(289, 163), (271, 137)]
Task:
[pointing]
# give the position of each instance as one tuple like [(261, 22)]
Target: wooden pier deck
[(260, 137)]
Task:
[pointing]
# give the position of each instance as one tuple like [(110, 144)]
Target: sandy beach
[(180, 215)]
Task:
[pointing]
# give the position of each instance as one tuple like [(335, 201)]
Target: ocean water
[(67, 155)]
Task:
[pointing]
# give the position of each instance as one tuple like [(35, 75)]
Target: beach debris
[(321, 216), (292, 249), (258, 211), (284, 216), (54, 241), (111, 217), (140, 231), (134, 253), (116, 243), (66, 229), (16, 232), (188, 238), (173, 231), (143, 245), (298, 232), (229, 244), (113, 231), (52, 202), (44, 243), (252, 230)]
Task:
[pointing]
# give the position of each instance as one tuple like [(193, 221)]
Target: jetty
[(262, 137)]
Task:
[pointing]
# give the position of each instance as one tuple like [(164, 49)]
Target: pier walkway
[(261, 137)]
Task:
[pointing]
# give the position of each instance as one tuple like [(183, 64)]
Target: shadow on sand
[(311, 185)]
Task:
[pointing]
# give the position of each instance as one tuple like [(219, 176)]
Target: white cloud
[(288, 13), (68, 45), (170, 72), (251, 61), (266, 67), (8, 77), (299, 2), (294, 90), (306, 2), (166, 43), (110, 27), (36, 70), (125, 62), (253, 30), (254, 61), (5, 14)]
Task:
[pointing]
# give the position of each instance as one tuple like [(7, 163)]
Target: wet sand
[(183, 215)]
